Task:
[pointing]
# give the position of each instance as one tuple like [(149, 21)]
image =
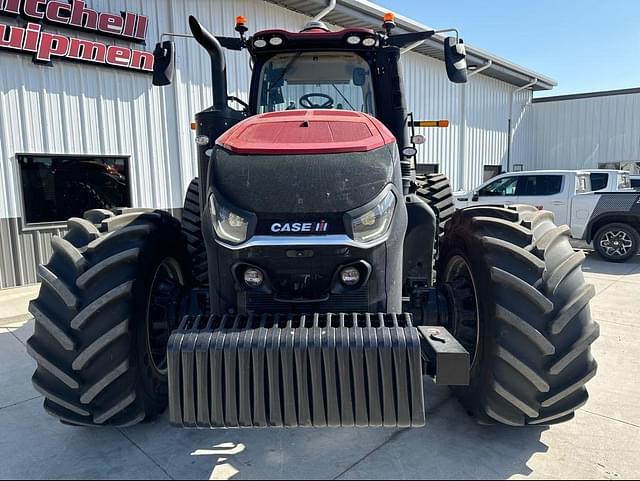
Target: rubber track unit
[(192, 229), (84, 340), (537, 331)]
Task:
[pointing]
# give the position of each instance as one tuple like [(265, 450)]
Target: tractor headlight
[(232, 227), (375, 223)]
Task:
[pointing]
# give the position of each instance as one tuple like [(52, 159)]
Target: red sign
[(75, 14)]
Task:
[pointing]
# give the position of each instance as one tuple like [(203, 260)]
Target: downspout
[(330, 8), (513, 97), (462, 143)]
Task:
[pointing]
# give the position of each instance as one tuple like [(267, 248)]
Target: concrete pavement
[(603, 442)]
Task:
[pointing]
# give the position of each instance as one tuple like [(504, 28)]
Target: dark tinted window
[(537, 185), (599, 181), (427, 169), (635, 183), (57, 188)]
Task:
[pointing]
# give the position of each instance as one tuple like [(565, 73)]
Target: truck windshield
[(322, 80)]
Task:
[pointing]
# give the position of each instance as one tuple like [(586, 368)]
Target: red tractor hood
[(306, 132)]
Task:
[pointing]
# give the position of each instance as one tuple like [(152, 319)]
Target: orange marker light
[(431, 123), (241, 20), (389, 17), (194, 126)]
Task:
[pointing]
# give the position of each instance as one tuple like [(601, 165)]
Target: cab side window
[(505, 187), (599, 181), (540, 185)]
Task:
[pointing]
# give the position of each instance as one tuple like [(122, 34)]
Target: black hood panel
[(303, 184)]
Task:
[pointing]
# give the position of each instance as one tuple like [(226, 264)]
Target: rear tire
[(522, 310), (617, 242), (435, 190), (192, 229), (99, 331)]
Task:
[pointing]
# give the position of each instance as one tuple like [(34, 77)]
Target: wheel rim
[(465, 322), (162, 312), (616, 243)]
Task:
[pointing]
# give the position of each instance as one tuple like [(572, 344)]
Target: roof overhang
[(362, 13)]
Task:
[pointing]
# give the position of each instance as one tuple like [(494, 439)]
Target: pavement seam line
[(16, 337), (148, 456), (612, 419), (391, 438), (20, 402)]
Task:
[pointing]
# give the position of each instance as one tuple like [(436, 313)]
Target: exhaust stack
[(218, 63)]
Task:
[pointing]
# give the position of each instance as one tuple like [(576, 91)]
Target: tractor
[(314, 279)]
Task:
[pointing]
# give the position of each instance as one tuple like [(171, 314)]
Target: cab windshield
[(329, 80)]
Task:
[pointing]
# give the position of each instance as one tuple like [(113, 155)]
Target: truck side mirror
[(476, 197), (164, 65), (455, 57)]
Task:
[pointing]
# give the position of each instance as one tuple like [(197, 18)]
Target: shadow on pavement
[(596, 265), (452, 446)]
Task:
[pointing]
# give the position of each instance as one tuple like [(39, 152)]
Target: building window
[(58, 187), (425, 169), (491, 171), (609, 165)]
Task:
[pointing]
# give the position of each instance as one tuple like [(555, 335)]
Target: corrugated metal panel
[(479, 116), (582, 133), (80, 109)]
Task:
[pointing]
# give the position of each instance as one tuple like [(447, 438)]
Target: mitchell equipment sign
[(76, 15)]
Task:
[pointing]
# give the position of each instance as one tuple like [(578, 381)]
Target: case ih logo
[(305, 228), (76, 15)]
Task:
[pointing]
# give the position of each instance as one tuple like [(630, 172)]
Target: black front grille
[(356, 301)]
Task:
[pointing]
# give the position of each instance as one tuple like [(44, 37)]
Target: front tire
[(521, 308), (617, 242), (106, 308)]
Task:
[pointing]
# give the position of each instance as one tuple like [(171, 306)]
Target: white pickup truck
[(608, 218)]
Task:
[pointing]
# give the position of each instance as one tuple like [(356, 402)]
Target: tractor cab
[(354, 69)]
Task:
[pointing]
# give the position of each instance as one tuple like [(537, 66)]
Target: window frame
[(56, 225), (261, 73)]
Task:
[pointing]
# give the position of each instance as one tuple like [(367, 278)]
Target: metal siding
[(81, 109), (482, 106), (581, 133)]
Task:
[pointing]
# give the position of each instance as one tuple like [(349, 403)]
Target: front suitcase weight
[(324, 373)]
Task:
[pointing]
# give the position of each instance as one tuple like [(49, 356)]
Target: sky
[(584, 45)]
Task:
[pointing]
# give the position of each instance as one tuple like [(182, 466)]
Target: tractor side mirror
[(164, 65), (476, 197), (455, 57)]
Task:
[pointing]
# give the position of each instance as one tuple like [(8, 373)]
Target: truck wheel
[(192, 229), (436, 190), (617, 242), (106, 308), (521, 309)]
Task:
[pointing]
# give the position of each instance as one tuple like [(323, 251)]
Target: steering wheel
[(306, 102)]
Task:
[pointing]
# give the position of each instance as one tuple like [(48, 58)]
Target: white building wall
[(82, 109), (585, 132)]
